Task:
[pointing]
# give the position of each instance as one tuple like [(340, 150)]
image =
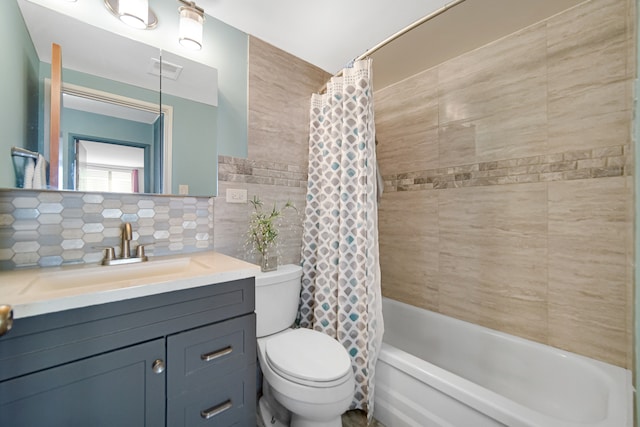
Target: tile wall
[(508, 183), (52, 228), (280, 88)]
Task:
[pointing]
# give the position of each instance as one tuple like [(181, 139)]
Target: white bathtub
[(434, 370)]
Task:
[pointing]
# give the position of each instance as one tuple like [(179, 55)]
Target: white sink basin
[(33, 292), (113, 275)]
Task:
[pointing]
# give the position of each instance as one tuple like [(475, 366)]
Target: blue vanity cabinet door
[(118, 388)]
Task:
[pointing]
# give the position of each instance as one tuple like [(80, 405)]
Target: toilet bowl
[(307, 375), (308, 380)]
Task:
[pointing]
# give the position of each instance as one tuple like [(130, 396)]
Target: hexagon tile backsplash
[(50, 228)]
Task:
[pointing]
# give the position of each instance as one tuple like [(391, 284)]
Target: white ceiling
[(331, 33), (326, 33)]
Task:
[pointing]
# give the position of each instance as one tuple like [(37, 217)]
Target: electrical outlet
[(236, 195), (183, 189)]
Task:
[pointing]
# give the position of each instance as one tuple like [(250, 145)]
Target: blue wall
[(231, 48), (226, 49), (195, 156), (19, 89)]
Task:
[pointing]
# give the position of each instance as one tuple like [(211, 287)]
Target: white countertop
[(45, 290)]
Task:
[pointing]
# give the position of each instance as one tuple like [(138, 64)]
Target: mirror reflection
[(122, 108), (109, 140), (102, 166)]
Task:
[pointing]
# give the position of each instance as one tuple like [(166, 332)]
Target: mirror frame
[(55, 114)]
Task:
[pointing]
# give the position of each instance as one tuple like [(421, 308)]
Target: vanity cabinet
[(182, 358), (114, 388)]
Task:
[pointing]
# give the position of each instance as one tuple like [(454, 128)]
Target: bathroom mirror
[(115, 67)]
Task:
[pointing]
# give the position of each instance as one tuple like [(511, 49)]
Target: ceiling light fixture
[(191, 23), (135, 13)]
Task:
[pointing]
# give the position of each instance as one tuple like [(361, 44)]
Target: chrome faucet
[(125, 250)]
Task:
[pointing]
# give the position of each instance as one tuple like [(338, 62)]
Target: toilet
[(307, 376)]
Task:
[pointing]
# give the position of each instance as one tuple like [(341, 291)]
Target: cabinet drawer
[(197, 357), (230, 400)]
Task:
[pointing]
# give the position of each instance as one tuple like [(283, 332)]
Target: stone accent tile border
[(579, 164), (235, 169)]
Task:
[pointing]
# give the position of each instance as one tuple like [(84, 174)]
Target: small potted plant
[(263, 232)]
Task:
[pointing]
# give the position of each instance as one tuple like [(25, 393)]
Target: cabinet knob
[(158, 366), (6, 319)]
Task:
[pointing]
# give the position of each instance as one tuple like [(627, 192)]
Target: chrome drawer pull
[(212, 412), (208, 357)]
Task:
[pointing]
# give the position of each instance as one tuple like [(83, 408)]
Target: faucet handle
[(109, 253), (140, 251)]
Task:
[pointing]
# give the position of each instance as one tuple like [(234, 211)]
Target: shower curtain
[(341, 272)]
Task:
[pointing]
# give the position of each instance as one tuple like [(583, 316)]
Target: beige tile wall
[(280, 88), (509, 193), (231, 219)]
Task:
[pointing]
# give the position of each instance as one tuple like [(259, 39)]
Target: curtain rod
[(398, 34)]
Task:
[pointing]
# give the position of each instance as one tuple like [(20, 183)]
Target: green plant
[(263, 226)]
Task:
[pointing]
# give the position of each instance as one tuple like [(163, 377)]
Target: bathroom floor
[(355, 418)]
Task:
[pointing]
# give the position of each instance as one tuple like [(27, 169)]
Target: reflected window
[(109, 167)]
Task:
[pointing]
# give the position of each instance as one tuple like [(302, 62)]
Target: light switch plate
[(236, 195)]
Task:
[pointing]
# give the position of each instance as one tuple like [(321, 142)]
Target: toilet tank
[(277, 298)]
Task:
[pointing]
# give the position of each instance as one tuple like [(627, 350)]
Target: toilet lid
[(308, 355)]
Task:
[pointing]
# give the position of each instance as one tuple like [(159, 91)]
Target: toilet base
[(268, 418), (297, 421), (270, 410), (266, 415)]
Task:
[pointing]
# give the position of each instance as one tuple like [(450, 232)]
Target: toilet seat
[(308, 357)]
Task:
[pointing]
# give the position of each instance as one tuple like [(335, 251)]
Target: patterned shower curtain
[(341, 272)]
